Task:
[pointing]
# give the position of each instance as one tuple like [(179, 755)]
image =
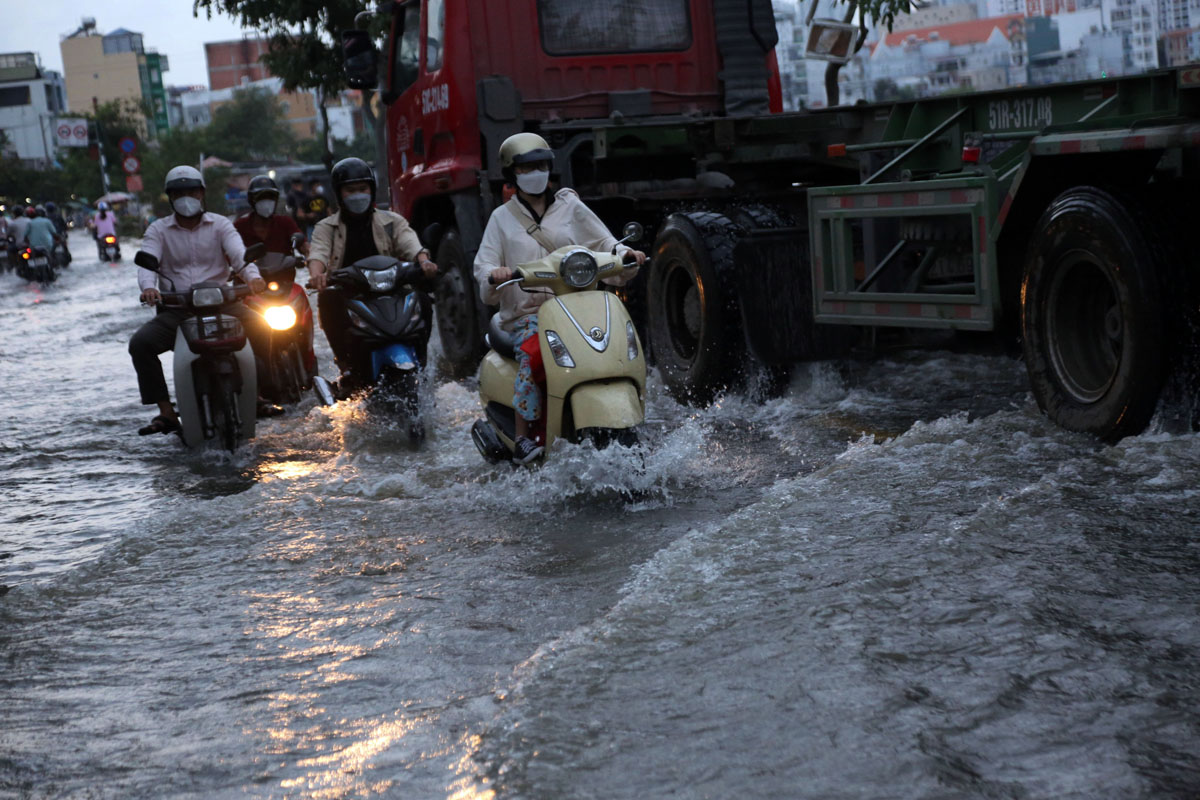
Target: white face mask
[(186, 206), (265, 208), (533, 182), (357, 203)]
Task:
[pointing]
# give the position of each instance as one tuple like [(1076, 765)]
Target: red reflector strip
[(836, 150)]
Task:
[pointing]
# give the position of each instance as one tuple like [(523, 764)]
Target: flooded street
[(898, 580)]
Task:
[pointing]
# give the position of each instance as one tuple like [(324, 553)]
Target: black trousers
[(158, 336)]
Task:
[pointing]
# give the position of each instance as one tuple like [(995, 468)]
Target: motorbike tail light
[(562, 356), (110, 240), (26, 254)]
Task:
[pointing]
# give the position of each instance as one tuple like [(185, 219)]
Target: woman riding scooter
[(534, 223)]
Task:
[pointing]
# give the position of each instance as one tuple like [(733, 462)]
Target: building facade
[(102, 68), (235, 63), (31, 100)]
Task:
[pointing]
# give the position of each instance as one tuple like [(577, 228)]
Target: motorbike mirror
[(432, 234), (361, 59), (145, 260), (633, 231), (297, 238), (255, 251)]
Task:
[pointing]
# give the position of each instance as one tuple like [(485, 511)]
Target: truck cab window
[(435, 25), (575, 27), (407, 50)]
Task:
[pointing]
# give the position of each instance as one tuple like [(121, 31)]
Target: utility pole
[(100, 147)]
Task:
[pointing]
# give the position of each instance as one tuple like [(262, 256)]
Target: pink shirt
[(187, 257), (106, 226)]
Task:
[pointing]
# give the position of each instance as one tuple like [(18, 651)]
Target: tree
[(305, 44), (872, 11), (250, 127)]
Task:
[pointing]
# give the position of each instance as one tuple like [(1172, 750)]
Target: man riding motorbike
[(533, 223), (191, 246), (42, 233), (106, 225), (355, 232), (60, 225)]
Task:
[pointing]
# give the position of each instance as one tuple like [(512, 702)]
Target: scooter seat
[(501, 340)]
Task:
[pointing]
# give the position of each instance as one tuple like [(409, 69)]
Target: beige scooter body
[(604, 390)]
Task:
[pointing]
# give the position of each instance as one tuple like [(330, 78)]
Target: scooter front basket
[(214, 334)]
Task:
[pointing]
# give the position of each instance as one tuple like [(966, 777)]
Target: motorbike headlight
[(631, 340), (273, 286), (562, 356), (578, 268), (358, 321), (280, 318), (210, 296), (381, 280)]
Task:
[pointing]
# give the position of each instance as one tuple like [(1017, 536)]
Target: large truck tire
[(457, 297), (693, 319), (1092, 317)]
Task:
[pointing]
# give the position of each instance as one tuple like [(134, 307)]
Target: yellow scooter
[(594, 362)]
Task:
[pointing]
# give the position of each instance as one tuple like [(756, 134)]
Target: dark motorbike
[(8, 252), (291, 362), (109, 248), (390, 327), (36, 264), (215, 373)]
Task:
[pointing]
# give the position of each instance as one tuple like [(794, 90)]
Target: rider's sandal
[(160, 424)]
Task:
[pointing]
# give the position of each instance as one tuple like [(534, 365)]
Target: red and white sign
[(131, 164), (71, 133), (1189, 77), (133, 183)]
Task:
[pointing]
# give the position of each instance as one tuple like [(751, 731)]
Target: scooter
[(215, 377), (595, 367), (110, 249), (390, 326), (291, 361), (37, 265)]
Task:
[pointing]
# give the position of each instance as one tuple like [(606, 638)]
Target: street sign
[(71, 133), (133, 183), (127, 144), (131, 164)]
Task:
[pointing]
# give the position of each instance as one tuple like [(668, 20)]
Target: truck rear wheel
[(457, 309), (694, 336), (1092, 317)]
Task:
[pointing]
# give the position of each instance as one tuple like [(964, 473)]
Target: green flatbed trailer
[(1056, 214)]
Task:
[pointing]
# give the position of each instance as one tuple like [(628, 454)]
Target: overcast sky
[(166, 25)]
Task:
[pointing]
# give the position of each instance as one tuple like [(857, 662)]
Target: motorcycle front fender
[(607, 404), (398, 355)]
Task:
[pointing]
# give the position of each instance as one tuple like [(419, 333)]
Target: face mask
[(186, 206), (358, 203), (265, 208), (533, 182)]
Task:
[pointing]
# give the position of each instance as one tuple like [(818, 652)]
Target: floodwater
[(898, 580)]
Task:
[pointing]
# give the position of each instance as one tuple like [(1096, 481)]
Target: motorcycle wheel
[(399, 391), (227, 427), (287, 381), (303, 379)]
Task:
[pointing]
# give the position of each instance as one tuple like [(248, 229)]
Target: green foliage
[(884, 11)]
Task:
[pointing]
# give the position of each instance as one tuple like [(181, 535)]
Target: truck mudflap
[(906, 254)]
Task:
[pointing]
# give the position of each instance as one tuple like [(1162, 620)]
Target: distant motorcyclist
[(262, 224), (355, 232), (529, 226), (42, 233), (105, 225), (20, 224), (60, 225), (191, 246)]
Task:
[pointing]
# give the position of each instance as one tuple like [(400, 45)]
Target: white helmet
[(102, 206), (183, 177), (521, 148)]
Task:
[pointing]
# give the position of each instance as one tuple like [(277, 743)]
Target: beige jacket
[(506, 244), (392, 233)]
